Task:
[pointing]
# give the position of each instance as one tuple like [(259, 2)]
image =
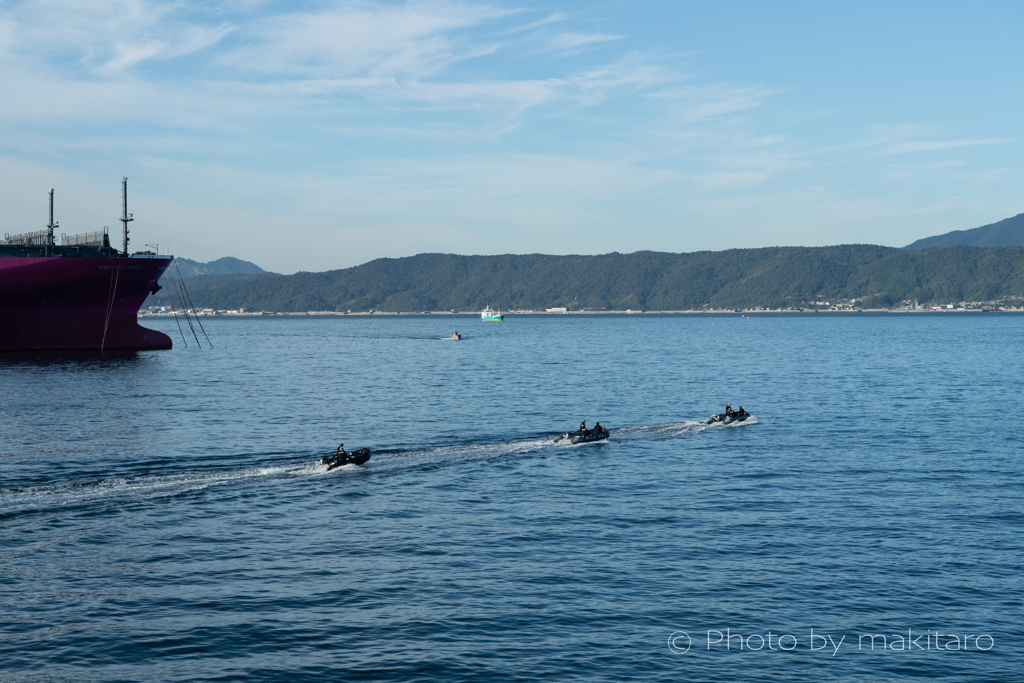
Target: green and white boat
[(488, 314)]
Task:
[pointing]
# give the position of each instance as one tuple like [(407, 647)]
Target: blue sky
[(322, 135)]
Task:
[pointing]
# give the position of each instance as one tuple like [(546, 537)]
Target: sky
[(321, 135)]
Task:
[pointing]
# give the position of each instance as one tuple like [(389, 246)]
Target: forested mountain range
[(770, 277), (1005, 233), (222, 266)]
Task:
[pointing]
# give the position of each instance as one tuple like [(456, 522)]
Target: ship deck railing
[(38, 238), (97, 238)]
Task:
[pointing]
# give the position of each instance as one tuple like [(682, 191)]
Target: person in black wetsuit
[(729, 412), (340, 453), (583, 429), (598, 429)]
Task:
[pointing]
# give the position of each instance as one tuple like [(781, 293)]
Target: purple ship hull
[(57, 302)]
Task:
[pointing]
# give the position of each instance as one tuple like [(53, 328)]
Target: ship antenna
[(125, 216), (50, 226)]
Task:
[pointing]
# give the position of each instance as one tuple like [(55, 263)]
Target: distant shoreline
[(849, 278), (472, 314)]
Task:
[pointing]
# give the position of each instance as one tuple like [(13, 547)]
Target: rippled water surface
[(163, 515)]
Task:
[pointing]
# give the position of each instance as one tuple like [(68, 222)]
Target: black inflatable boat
[(340, 460), (727, 419), (579, 437)]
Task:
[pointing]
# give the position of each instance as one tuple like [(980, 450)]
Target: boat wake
[(83, 494), (72, 495), (673, 430)]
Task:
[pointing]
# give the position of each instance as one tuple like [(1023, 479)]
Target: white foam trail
[(675, 429), (133, 488), (158, 486)]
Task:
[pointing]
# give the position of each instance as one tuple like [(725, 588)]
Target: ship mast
[(49, 228), (125, 216)]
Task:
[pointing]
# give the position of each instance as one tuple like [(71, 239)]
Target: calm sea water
[(162, 515)]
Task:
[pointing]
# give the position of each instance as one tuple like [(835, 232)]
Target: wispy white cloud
[(718, 180), (111, 35), (742, 162), (910, 138), (911, 146), (7, 26), (692, 103), (632, 71), (574, 42), (533, 25), (899, 171), (985, 176), (190, 39), (347, 38), (354, 58)]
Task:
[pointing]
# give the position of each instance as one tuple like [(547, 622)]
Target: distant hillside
[(1008, 232), (222, 266), (772, 277)]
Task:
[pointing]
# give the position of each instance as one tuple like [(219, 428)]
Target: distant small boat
[(341, 459), (455, 336), (581, 437), (729, 418), (488, 314)]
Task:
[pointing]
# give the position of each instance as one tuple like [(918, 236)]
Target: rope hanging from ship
[(174, 308), (182, 332), (110, 305), (189, 296), (174, 311), (188, 314)]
